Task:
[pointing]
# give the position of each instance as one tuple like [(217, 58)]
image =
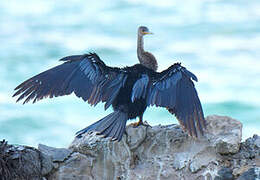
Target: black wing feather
[(85, 75), (111, 90), (140, 87), (72, 58), (174, 90)]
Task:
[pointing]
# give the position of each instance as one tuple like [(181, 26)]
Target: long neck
[(145, 58), (140, 46)]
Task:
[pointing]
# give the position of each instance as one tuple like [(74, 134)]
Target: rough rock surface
[(56, 154), (159, 152), (163, 152), (224, 133), (23, 162)]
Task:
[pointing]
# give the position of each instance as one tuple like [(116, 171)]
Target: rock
[(224, 174), (57, 154), (22, 163), (251, 174), (46, 164), (225, 133), (78, 166), (254, 142), (159, 152), (247, 157), (110, 158), (136, 136), (202, 159)]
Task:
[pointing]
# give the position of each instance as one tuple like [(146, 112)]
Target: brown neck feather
[(145, 58)]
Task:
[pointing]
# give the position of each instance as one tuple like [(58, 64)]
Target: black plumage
[(129, 90)]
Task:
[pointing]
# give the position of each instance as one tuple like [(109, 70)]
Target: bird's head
[(142, 30)]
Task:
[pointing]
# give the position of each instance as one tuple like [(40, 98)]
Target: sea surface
[(218, 40)]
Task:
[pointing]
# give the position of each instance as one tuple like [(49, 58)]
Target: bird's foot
[(136, 124)]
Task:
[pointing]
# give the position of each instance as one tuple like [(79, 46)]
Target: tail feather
[(113, 125)]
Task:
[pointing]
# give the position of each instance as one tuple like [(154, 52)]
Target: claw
[(136, 124), (140, 123)]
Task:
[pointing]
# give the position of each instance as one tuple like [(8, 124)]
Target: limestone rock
[(251, 174), (22, 163), (78, 166), (57, 154), (224, 133), (159, 152), (224, 174), (136, 136), (46, 164)]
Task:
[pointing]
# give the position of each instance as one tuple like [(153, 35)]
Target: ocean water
[(217, 40)]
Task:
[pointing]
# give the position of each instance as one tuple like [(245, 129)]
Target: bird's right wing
[(174, 90), (85, 75)]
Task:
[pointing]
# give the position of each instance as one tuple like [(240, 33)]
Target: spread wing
[(174, 90), (85, 75)]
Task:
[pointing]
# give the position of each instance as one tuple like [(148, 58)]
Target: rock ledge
[(159, 152)]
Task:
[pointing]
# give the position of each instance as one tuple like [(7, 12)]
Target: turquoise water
[(217, 40)]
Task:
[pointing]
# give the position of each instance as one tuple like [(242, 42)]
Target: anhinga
[(129, 90)]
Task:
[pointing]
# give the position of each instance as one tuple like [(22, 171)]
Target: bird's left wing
[(174, 90), (85, 75)]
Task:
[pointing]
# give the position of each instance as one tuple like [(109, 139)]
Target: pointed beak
[(147, 32)]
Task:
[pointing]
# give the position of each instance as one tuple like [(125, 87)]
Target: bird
[(129, 90)]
